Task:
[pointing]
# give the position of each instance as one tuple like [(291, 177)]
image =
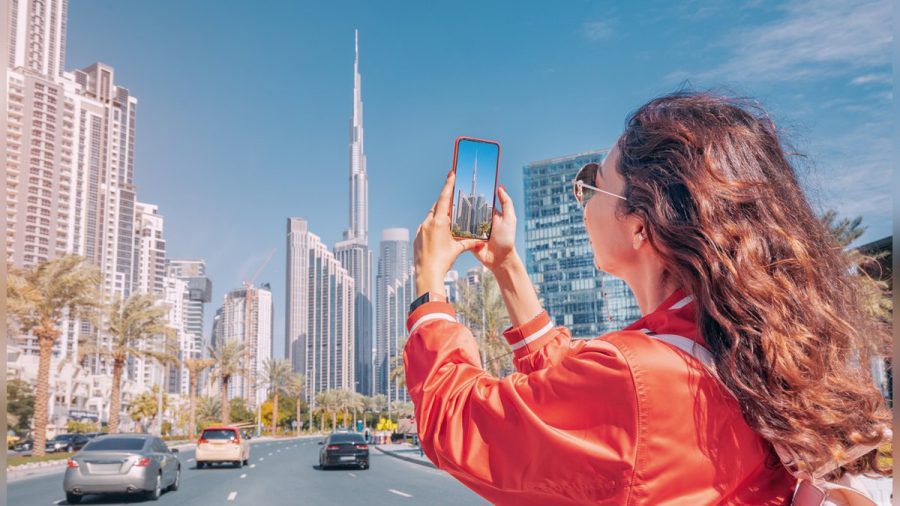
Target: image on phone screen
[(477, 166)]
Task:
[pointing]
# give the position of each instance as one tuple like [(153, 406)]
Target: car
[(24, 445), (122, 463), (92, 435), (222, 444), (67, 442), (344, 449)]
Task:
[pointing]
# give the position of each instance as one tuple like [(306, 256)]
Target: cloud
[(872, 78), (813, 39), (597, 30)]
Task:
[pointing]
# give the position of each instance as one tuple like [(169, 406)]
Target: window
[(109, 443)]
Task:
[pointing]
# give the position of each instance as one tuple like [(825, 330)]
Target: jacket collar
[(677, 314)]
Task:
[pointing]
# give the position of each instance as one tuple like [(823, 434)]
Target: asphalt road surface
[(280, 472)]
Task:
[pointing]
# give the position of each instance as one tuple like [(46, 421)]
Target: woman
[(698, 210)]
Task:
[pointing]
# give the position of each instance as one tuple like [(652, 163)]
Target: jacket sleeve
[(537, 343), (563, 433)]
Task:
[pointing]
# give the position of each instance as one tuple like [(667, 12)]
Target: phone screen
[(477, 166)]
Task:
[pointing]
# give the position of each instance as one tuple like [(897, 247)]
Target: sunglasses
[(581, 187)]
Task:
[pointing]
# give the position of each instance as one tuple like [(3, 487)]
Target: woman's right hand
[(500, 249)]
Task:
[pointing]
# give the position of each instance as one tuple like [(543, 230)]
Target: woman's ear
[(639, 237)]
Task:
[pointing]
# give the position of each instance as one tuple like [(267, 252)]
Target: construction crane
[(250, 294)]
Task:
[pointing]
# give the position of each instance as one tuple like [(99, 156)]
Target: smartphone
[(476, 163)]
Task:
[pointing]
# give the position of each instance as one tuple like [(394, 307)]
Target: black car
[(24, 446), (344, 449), (67, 443)]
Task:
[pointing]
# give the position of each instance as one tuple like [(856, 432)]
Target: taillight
[(201, 441), (362, 447), (333, 447), (144, 462), (71, 464)]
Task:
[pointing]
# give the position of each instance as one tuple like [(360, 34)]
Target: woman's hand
[(435, 249), (500, 250)]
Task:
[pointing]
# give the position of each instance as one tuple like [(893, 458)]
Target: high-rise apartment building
[(393, 264)]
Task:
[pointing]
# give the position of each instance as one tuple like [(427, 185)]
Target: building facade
[(320, 312), (393, 265), (558, 255), (246, 317)]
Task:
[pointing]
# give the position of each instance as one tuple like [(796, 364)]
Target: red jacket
[(621, 419)]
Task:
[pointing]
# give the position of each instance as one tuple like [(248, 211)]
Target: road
[(280, 472)]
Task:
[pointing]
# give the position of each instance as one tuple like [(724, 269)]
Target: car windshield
[(115, 444), (346, 438), (218, 434)]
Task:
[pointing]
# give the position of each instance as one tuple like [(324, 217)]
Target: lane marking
[(244, 475), (232, 495), (404, 494), (190, 460), (270, 454), (261, 459), (58, 501), (252, 466), (351, 474)]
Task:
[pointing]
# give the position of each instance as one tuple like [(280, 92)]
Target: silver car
[(122, 463)]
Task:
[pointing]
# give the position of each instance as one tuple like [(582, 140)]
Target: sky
[(244, 107)]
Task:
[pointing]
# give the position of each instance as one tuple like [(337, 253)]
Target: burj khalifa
[(353, 251)]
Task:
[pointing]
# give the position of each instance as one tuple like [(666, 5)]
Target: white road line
[(244, 475), (232, 495), (252, 466), (270, 454), (190, 460), (351, 474), (404, 494), (57, 501), (262, 458)]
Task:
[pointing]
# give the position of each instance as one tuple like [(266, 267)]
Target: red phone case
[(496, 173)]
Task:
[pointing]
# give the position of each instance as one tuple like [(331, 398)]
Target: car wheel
[(239, 463), (154, 494), (72, 498), (69, 449), (364, 467), (174, 486), (246, 462), (201, 465)]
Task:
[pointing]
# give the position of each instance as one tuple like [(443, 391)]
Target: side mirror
[(321, 442)]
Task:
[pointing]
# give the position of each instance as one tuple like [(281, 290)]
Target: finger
[(506, 202), (469, 244), (442, 206)]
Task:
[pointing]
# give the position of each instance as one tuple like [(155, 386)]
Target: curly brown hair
[(777, 305)]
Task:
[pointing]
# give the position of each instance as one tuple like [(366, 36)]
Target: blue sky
[(244, 108)]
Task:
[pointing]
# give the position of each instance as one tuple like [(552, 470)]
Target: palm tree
[(145, 406), (398, 371), (38, 300), (295, 388), (133, 326), (277, 375), (208, 409), (482, 306), (228, 362), (874, 294), (195, 366)]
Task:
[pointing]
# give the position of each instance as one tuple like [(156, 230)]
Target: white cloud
[(872, 79), (812, 39), (597, 30)]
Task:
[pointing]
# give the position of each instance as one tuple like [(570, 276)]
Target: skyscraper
[(246, 317), (393, 264), (559, 258), (319, 320), (196, 294), (398, 294), (353, 251)]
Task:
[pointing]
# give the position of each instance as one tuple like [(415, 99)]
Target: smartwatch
[(426, 297)]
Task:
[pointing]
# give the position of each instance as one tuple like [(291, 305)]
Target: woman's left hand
[(435, 249)]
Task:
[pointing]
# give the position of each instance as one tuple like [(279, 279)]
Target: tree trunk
[(333, 420), (275, 413), (298, 416), (115, 402), (226, 415), (42, 393), (192, 431)]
